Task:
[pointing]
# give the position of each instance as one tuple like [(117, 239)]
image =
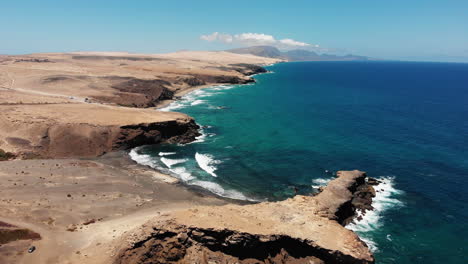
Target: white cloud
[(253, 39), (292, 42)]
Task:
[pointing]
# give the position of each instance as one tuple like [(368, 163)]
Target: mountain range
[(295, 55)]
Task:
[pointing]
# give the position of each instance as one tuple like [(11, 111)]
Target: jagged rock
[(257, 233)]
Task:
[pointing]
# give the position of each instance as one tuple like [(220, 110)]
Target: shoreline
[(180, 96), (85, 206), (57, 198)]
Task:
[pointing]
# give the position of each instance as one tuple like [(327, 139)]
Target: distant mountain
[(295, 55), (262, 51)]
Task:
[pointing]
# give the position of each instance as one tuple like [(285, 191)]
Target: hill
[(295, 55)]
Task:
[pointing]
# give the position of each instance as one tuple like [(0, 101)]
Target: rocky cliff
[(302, 229)]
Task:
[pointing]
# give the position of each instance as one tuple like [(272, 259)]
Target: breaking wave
[(166, 153), (143, 159), (193, 98), (207, 163), (219, 190), (170, 162), (319, 182), (385, 198)]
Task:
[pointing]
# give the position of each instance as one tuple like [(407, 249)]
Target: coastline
[(82, 205), (179, 96), (59, 199)]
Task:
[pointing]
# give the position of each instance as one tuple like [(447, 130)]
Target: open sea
[(405, 123)]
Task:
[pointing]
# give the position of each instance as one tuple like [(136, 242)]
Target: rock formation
[(302, 229)]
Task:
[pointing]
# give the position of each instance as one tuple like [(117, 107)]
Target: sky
[(419, 30)]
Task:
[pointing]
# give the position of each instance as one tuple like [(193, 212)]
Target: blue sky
[(413, 30)]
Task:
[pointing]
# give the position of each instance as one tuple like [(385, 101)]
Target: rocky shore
[(89, 100), (67, 115), (302, 229)]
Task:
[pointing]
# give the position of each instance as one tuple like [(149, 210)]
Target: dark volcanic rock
[(180, 244), (146, 134), (193, 81), (224, 79), (248, 69), (148, 91), (361, 200), (86, 140)]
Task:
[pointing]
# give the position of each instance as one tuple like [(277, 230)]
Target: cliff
[(83, 104), (302, 229)]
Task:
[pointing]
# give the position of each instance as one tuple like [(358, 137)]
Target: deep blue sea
[(405, 123)]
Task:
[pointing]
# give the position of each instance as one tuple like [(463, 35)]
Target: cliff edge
[(302, 229)]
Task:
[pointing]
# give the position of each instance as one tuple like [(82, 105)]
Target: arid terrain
[(84, 100), (69, 189)]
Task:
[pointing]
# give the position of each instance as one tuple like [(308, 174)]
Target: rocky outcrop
[(224, 79), (86, 140), (9, 233), (248, 69), (145, 134), (302, 229), (140, 92)]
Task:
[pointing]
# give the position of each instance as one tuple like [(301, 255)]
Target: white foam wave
[(319, 182), (200, 138), (222, 87), (142, 159), (166, 153), (182, 173), (170, 162), (197, 102), (385, 198), (207, 163), (172, 106), (219, 190), (193, 98)]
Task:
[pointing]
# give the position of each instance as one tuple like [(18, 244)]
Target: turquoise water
[(405, 123)]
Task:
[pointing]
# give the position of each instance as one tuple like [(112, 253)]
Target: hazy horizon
[(415, 31)]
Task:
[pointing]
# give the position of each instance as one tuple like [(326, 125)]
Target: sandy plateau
[(69, 189)]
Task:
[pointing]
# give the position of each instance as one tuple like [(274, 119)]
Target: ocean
[(405, 123)]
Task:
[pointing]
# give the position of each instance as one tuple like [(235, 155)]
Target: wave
[(219, 190), (320, 182), (172, 106), (201, 137), (206, 162), (143, 159), (197, 102), (366, 222), (166, 153), (170, 162), (182, 173), (193, 98)]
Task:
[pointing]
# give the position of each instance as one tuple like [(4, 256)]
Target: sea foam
[(219, 190), (320, 182), (170, 162), (182, 173), (142, 159), (166, 153), (207, 163), (385, 198)]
